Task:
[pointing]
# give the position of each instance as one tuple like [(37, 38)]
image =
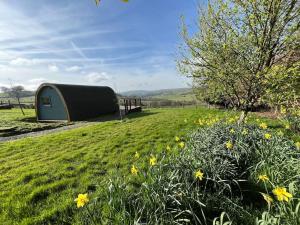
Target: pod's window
[(46, 101)]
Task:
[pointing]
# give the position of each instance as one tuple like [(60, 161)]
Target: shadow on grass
[(117, 116), (276, 126), (102, 118), (29, 120)]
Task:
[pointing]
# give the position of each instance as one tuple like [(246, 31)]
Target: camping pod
[(64, 102)]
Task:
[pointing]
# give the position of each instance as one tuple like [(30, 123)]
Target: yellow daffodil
[(81, 200), (280, 133), (136, 155), (134, 170), (232, 131), (268, 136), (298, 145), (201, 123), (181, 144), (152, 161), (199, 175), (267, 198), (244, 132), (263, 177), (229, 145), (177, 138), (263, 126), (168, 148), (208, 123), (281, 194), (231, 120), (282, 110)]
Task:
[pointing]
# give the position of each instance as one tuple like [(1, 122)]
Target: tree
[(237, 47), (284, 91), (14, 92), (98, 1)]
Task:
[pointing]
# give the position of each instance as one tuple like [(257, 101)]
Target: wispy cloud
[(23, 62), (96, 77), (61, 41), (78, 50), (53, 68), (73, 69)]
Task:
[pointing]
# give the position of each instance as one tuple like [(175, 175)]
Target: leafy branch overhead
[(98, 1)]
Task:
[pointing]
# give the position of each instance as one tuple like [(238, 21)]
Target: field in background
[(12, 122), (183, 95), (40, 177), (24, 100), (178, 97)]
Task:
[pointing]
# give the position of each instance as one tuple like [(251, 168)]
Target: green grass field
[(186, 95), (41, 176), (13, 122)]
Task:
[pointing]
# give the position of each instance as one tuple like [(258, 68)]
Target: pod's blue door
[(51, 106)]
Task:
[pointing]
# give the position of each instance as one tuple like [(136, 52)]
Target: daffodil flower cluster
[(280, 193)]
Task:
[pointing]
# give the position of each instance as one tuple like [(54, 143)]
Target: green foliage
[(292, 120), (98, 1), (287, 214), (222, 220), (284, 86), (241, 51), (170, 193)]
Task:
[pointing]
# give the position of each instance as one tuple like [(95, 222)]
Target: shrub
[(215, 173)]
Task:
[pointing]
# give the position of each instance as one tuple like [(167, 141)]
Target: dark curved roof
[(84, 102)]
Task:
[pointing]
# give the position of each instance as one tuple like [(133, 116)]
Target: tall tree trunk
[(20, 106)]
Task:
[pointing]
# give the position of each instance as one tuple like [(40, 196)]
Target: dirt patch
[(268, 114)]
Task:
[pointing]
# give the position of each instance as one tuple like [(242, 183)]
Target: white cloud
[(78, 50), (23, 62), (34, 83), (96, 77), (53, 68), (38, 80), (73, 69)]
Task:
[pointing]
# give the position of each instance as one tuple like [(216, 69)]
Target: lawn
[(13, 122), (40, 177)]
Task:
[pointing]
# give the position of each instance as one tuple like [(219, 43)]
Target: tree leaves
[(98, 1), (237, 45)]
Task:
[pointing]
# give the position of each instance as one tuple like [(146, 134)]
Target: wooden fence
[(131, 104), (8, 104)]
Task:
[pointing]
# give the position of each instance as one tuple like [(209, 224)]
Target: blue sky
[(127, 46)]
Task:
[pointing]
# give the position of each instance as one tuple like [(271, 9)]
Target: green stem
[(92, 218)]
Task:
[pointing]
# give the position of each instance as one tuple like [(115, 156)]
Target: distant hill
[(158, 93)]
